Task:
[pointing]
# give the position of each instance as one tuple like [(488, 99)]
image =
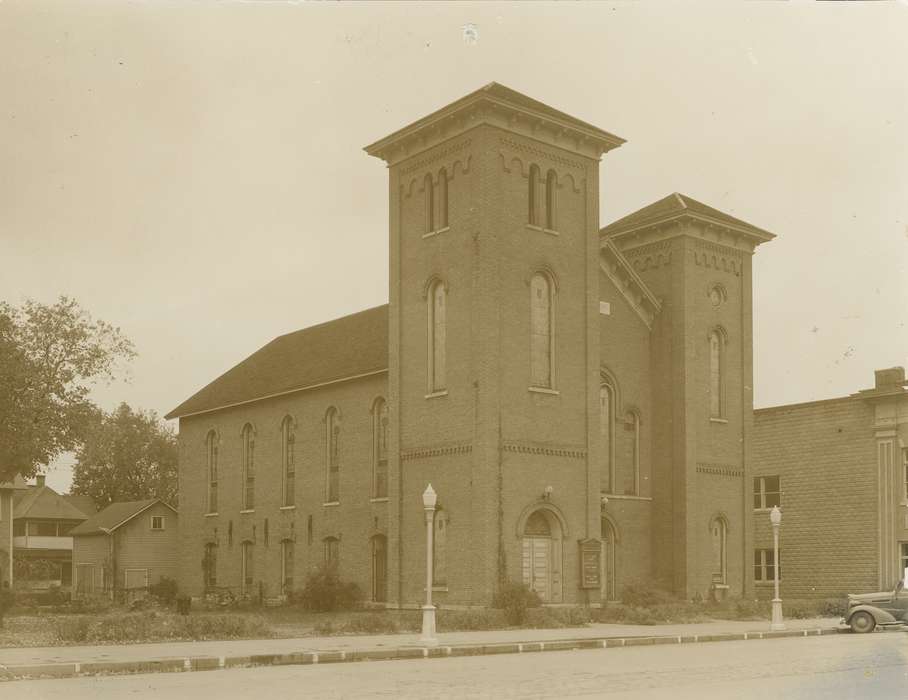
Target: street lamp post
[(775, 517), (429, 498)]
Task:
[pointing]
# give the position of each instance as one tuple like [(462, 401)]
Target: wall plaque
[(590, 563)]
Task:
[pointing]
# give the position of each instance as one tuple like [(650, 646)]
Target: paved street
[(835, 666)]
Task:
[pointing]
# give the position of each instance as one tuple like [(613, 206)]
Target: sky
[(193, 172)]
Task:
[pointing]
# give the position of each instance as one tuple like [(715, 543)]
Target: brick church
[(580, 399)]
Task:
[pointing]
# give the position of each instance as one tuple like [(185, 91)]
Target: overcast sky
[(194, 172)]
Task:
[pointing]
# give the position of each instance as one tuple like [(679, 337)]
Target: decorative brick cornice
[(718, 258), (648, 248), (434, 157), (437, 451), (572, 451), (719, 469), (539, 153)]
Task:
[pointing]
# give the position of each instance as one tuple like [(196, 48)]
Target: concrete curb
[(306, 658)]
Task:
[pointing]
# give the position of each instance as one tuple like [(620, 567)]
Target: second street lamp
[(429, 499), (775, 517)]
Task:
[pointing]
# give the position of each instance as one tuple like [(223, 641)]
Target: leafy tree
[(50, 357), (127, 455)]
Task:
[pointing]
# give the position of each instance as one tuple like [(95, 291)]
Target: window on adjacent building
[(550, 200), (440, 549), (430, 203), (532, 193), (442, 198), (718, 533), (716, 374), (248, 570), (248, 467), (541, 331), (332, 551), (606, 430), (332, 459), (437, 326), (211, 448), (287, 467), (287, 547), (764, 565), (210, 565), (157, 522), (767, 492), (380, 449)]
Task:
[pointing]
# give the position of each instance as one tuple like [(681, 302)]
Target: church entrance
[(541, 556)]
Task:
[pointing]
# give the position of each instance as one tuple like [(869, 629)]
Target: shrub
[(469, 620), (371, 623), (153, 626), (73, 629), (644, 594), (325, 592), (165, 590), (515, 599), (574, 616)]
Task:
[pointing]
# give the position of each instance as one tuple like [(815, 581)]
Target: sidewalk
[(178, 656)]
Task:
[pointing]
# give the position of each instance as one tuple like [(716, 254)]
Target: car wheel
[(862, 622)]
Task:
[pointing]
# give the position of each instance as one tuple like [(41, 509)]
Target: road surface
[(836, 666)]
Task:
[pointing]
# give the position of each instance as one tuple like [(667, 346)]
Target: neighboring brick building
[(579, 399), (838, 470)]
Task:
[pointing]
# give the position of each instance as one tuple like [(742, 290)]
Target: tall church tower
[(494, 347)]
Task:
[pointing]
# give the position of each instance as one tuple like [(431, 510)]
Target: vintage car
[(867, 611)]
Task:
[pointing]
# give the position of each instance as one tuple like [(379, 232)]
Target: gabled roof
[(115, 515), (678, 205), (45, 503), (347, 347), (84, 503), (17, 483)]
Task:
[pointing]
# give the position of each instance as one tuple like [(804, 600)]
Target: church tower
[(494, 368)]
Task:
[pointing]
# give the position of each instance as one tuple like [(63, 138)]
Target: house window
[(288, 468), (550, 186), (18, 528), (606, 430), (248, 467), (442, 199), (157, 522), (332, 552), (532, 195), (248, 567), (287, 566), (716, 374), (437, 314), (440, 549), (380, 449), (718, 533), (633, 424), (767, 492), (430, 204), (541, 335), (211, 448), (210, 565), (332, 435), (764, 565)]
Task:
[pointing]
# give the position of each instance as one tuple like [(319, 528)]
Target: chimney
[(39, 480), (889, 378)]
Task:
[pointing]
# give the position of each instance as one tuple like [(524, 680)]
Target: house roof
[(115, 515), (674, 206), (43, 502), (344, 348), (17, 483), (84, 503)]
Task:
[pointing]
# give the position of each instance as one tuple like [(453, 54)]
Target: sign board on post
[(590, 563)]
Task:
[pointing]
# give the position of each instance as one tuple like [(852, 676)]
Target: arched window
[(332, 462), (607, 431), (633, 424), (717, 373), (437, 313), (550, 186), (379, 547), (248, 467), (532, 190), (541, 331), (287, 552), (211, 449), (442, 198), (287, 459), (718, 534), (210, 566), (609, 561), (332, 552), (247, 566), (440, 549), (380, 449), (430, 204)]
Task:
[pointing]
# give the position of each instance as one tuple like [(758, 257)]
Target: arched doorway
[(609, 561), (541, 555), (379, 568)]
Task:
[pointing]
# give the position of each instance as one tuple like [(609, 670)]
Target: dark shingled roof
[(113, 516), (84, 503), (345, 347), (44, 502), (677, 204)]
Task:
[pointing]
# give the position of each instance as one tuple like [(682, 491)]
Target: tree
[(50, 357), (127, 455)]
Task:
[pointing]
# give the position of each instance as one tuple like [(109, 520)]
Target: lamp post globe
[(775, 518)]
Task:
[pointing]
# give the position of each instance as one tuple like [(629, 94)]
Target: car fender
[(881, 616)]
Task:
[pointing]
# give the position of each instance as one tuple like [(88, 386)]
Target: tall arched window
[(633, 424), (332, 552), (541, 331), (287, 460), (287, 552), (437, 313), (430, 203), (211, 450), (717, 373), (380, 449), (532, 192), (718, 534), (248, 467), (247, 568), (440, 549), (550, 186), (442, 198), (210, 566), (609, 561), (332, 462), (607, 431)]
